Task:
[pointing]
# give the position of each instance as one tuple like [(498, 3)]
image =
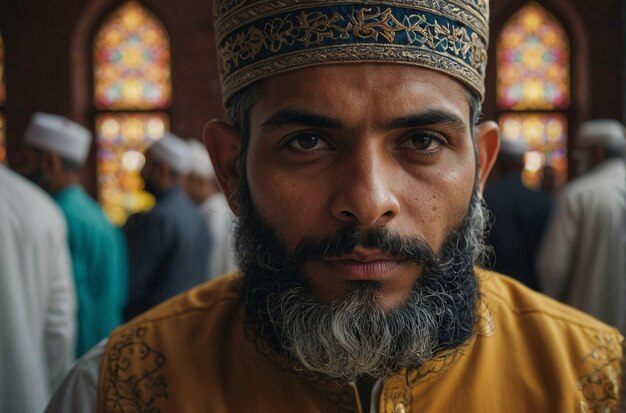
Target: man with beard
[(355, 166), (168, 246), (55, 150)]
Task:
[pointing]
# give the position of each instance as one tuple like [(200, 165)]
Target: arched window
[(3, 150), (132, 94), (533, 88)]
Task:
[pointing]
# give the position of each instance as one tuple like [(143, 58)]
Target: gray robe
[(582, 258)]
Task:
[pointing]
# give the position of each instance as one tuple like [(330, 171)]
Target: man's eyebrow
[(429, 117), (299, 118)]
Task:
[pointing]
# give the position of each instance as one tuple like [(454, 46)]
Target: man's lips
[(364, 264), (365, 255)]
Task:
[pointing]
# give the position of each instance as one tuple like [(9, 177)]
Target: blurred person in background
[(549, 180), (168, 246), (520, 216), (55, 150), (583, 260), (205, 191), (37, 297)]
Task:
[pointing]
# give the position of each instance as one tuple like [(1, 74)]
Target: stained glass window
[(533, 89), (132, 88), (122, 139), (132, 61), (545, 135), (3, 152), (533, 62)]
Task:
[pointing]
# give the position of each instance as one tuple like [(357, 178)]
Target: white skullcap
[(513, 147), (200, 161), (60, 135), (607, 133), (173, 151)]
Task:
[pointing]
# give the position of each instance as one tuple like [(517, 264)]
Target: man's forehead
[(386, 91), (357, 74)]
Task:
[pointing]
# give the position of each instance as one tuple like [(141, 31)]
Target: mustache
[(389, 241)]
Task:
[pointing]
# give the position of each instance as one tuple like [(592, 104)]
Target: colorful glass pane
[(532, 57), (545, 136), (122, 140), (2, 85), (132, 61)]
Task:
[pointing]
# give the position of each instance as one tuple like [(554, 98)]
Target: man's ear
[(488, 144), (223, 144)]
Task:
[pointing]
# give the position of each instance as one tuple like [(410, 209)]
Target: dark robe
[(168, 249), (520, 216)]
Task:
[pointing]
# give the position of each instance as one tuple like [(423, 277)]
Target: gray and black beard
[(353, 336)]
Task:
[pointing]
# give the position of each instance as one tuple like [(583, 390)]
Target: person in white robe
[(582, 259), (204, 190), (37, 297)]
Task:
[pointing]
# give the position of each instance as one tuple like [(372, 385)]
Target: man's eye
[(307, 142), (423, 142)]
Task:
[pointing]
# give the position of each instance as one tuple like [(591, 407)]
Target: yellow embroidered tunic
[(194, 354)]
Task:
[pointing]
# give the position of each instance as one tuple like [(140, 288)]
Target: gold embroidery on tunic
[(132, 382), (599, 383)]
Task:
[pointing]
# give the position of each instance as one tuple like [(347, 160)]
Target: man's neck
[(63, 181)]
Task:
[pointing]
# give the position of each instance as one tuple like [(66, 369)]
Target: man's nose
[(364, 189)]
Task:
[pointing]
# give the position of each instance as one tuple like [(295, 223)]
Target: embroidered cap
[(58, 134), (257, 39), (172, 150)]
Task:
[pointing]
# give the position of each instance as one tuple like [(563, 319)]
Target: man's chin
[(374, 293)]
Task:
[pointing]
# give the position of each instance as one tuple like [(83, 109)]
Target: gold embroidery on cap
[(232, 14), (365, 23), (261, 38)]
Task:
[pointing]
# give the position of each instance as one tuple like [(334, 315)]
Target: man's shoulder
[(204, 303), (25, 199), (175, 209), (19, 187), (175, 346), (558, 348), (155, 218), (511, 299), (606, 175), (82, 211)]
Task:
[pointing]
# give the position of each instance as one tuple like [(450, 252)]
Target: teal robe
[(100, 266)]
